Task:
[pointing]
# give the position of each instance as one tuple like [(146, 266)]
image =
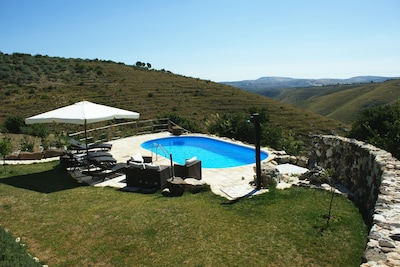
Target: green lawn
[(66, 224)]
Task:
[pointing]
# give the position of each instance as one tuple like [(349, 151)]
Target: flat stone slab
[(288, 168), (238, 191)]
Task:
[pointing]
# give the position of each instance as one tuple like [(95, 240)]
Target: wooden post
[(257, 128)]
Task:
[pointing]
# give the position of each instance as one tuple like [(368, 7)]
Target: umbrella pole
[(87, 148)]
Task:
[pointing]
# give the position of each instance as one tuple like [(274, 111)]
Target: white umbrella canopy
[(82, 113)]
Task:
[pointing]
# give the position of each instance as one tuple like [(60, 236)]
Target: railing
[(155, 149), (125, 129)]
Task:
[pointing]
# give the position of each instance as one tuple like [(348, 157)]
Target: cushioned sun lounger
[(108, 171), (76, 145), (98, 153), (74, 161), (102, 162)]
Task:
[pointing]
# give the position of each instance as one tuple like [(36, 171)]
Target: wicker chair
[(189, 170)]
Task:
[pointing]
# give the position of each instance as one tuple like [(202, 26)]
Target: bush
[(183, 122), (39, 130), (379, 126), (5, 147), (237, 126), (14, 124), (290, 144), (26, 144), (232, 125), (12, 252), (271, 136)]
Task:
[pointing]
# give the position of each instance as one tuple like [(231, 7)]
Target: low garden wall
[(373, 176)]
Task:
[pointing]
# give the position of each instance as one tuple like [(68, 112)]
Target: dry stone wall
[(373, 176)]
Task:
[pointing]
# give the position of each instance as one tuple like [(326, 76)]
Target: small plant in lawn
[(329, 173)]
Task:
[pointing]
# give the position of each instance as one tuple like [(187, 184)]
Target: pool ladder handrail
[(156, 147), (166, 154)]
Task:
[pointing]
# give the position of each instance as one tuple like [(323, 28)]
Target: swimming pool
[(213, 153)]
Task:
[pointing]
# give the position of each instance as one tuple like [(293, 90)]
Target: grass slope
[(33, 84), (342, 102)]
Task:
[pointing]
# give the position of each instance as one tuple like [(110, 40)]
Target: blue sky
[(218, 40)]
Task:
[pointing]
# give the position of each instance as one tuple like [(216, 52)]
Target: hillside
[(342, 102), (33, 84)]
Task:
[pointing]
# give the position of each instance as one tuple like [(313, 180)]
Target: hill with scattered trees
[(34, 84)]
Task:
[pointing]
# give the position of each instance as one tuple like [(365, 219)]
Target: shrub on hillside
[(237, 126), (183, 122), (231, 125), (379, 126), (14, 124), (39, 130), (290, 143)]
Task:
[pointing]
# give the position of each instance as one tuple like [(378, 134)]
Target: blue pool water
[(213, 153)]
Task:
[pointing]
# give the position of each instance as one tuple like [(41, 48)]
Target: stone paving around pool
[(231, 183)]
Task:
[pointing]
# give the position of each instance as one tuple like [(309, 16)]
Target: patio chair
[(191, 169), (138, 158), (76, 145)]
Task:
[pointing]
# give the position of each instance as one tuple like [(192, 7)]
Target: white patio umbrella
[(82, 113)]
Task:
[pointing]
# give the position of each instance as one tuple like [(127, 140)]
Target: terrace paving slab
[(240, 191)]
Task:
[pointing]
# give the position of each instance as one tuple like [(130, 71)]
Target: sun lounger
[(102, 162), (76, 145), (74, 161), (97, 153), (107, 172)]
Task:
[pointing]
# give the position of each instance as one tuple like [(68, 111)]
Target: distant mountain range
[(267, 85)]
